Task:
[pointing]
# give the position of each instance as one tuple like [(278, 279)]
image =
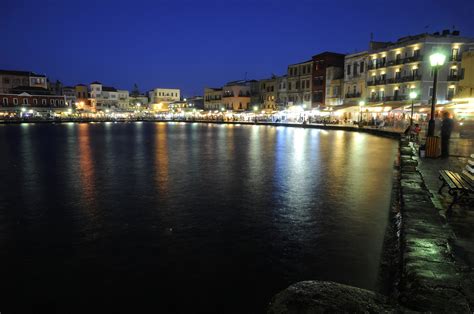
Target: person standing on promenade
[(446, 129)]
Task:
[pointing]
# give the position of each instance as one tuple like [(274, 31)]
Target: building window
[(35, 101), (348, 69), (361, 67), (450, 93), (454, 53), (6, 80), (15, 101), (43, 101), (355, 68), (25, 101), (51, 101), (5, 101), (289, 85), (416, 53), (61, 102), (430, 93)]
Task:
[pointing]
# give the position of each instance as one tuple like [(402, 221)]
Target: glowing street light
[(255, 108), (23, 109), (436, 60), (413, 96)]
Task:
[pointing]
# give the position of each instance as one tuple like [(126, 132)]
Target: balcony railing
[(352, 95), (395, 98), (409, 78), (454, 77), (376, 82)]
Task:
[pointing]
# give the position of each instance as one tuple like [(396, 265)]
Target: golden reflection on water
[(87, 173), (161, 159)]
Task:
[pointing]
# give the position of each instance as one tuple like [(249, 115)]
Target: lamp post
[(412, 95), (255, 108), (361, 104), (436, 60)]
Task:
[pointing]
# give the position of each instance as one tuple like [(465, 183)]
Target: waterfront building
[(69, 93), (138, 101), (196, 102), (320, 63), (282, 95), (466, 79), (255, 97), (269, 93), (10, 79), (83, 102), (395, 69), (236, 96), (213, 98), (102, 97), (31, 100), (123, 99), (355, 78), (165, 95), (334, 86), (299, 84)]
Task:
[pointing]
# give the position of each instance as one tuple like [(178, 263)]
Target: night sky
[(194, 44)]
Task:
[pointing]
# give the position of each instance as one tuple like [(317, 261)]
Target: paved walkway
[(461, 244)]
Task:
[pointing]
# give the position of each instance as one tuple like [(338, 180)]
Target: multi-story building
[(299, 84), (83, 101), (282, 96), (137, 101), (236, 96), (466, 82), (196, 102), (395, 69), (123, 99), (255, 97), (213, 98), (334, 86), (11, 79), (21, 99), (103, 97), (269, 93), (69, 93), (355, 78), (164, 95), (320, 64)]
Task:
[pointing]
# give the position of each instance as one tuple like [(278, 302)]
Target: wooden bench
[(460, 185)]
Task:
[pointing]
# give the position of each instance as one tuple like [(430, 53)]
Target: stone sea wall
[(423, 272)]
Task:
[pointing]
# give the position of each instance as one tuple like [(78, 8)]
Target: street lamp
[(255, 108), (436, 60), (412, 95), (361, 104)]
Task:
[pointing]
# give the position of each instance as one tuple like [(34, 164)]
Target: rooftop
[(30, 90), (20, 73)]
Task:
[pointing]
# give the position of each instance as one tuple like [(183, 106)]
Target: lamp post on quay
[(436, 60), (255, 108), (361, 104), (412, 95)]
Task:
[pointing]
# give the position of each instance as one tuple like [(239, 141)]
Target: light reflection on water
[(208, 213)]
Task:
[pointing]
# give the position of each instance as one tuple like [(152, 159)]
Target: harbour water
[(185, 218)]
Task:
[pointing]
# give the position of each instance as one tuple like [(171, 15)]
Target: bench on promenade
[(461, 185)]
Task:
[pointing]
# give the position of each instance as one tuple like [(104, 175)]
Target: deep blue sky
[(193, 44)]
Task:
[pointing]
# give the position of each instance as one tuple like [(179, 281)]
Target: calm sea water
[(185, 218)]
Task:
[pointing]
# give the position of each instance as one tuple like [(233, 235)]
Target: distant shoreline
[(379, 132)]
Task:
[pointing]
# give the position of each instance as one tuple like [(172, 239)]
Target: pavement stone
[(437, 252)]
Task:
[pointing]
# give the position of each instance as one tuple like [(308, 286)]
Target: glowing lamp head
[(23, 109), (413, 95), (361, 103), (437, 59), (255, 108)]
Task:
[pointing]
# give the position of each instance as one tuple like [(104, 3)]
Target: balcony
[(352, 95), (375, 99), (413, 59), (376, 82), (453, 77), (395, 98)]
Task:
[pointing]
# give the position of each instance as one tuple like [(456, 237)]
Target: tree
[(135, 91)]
